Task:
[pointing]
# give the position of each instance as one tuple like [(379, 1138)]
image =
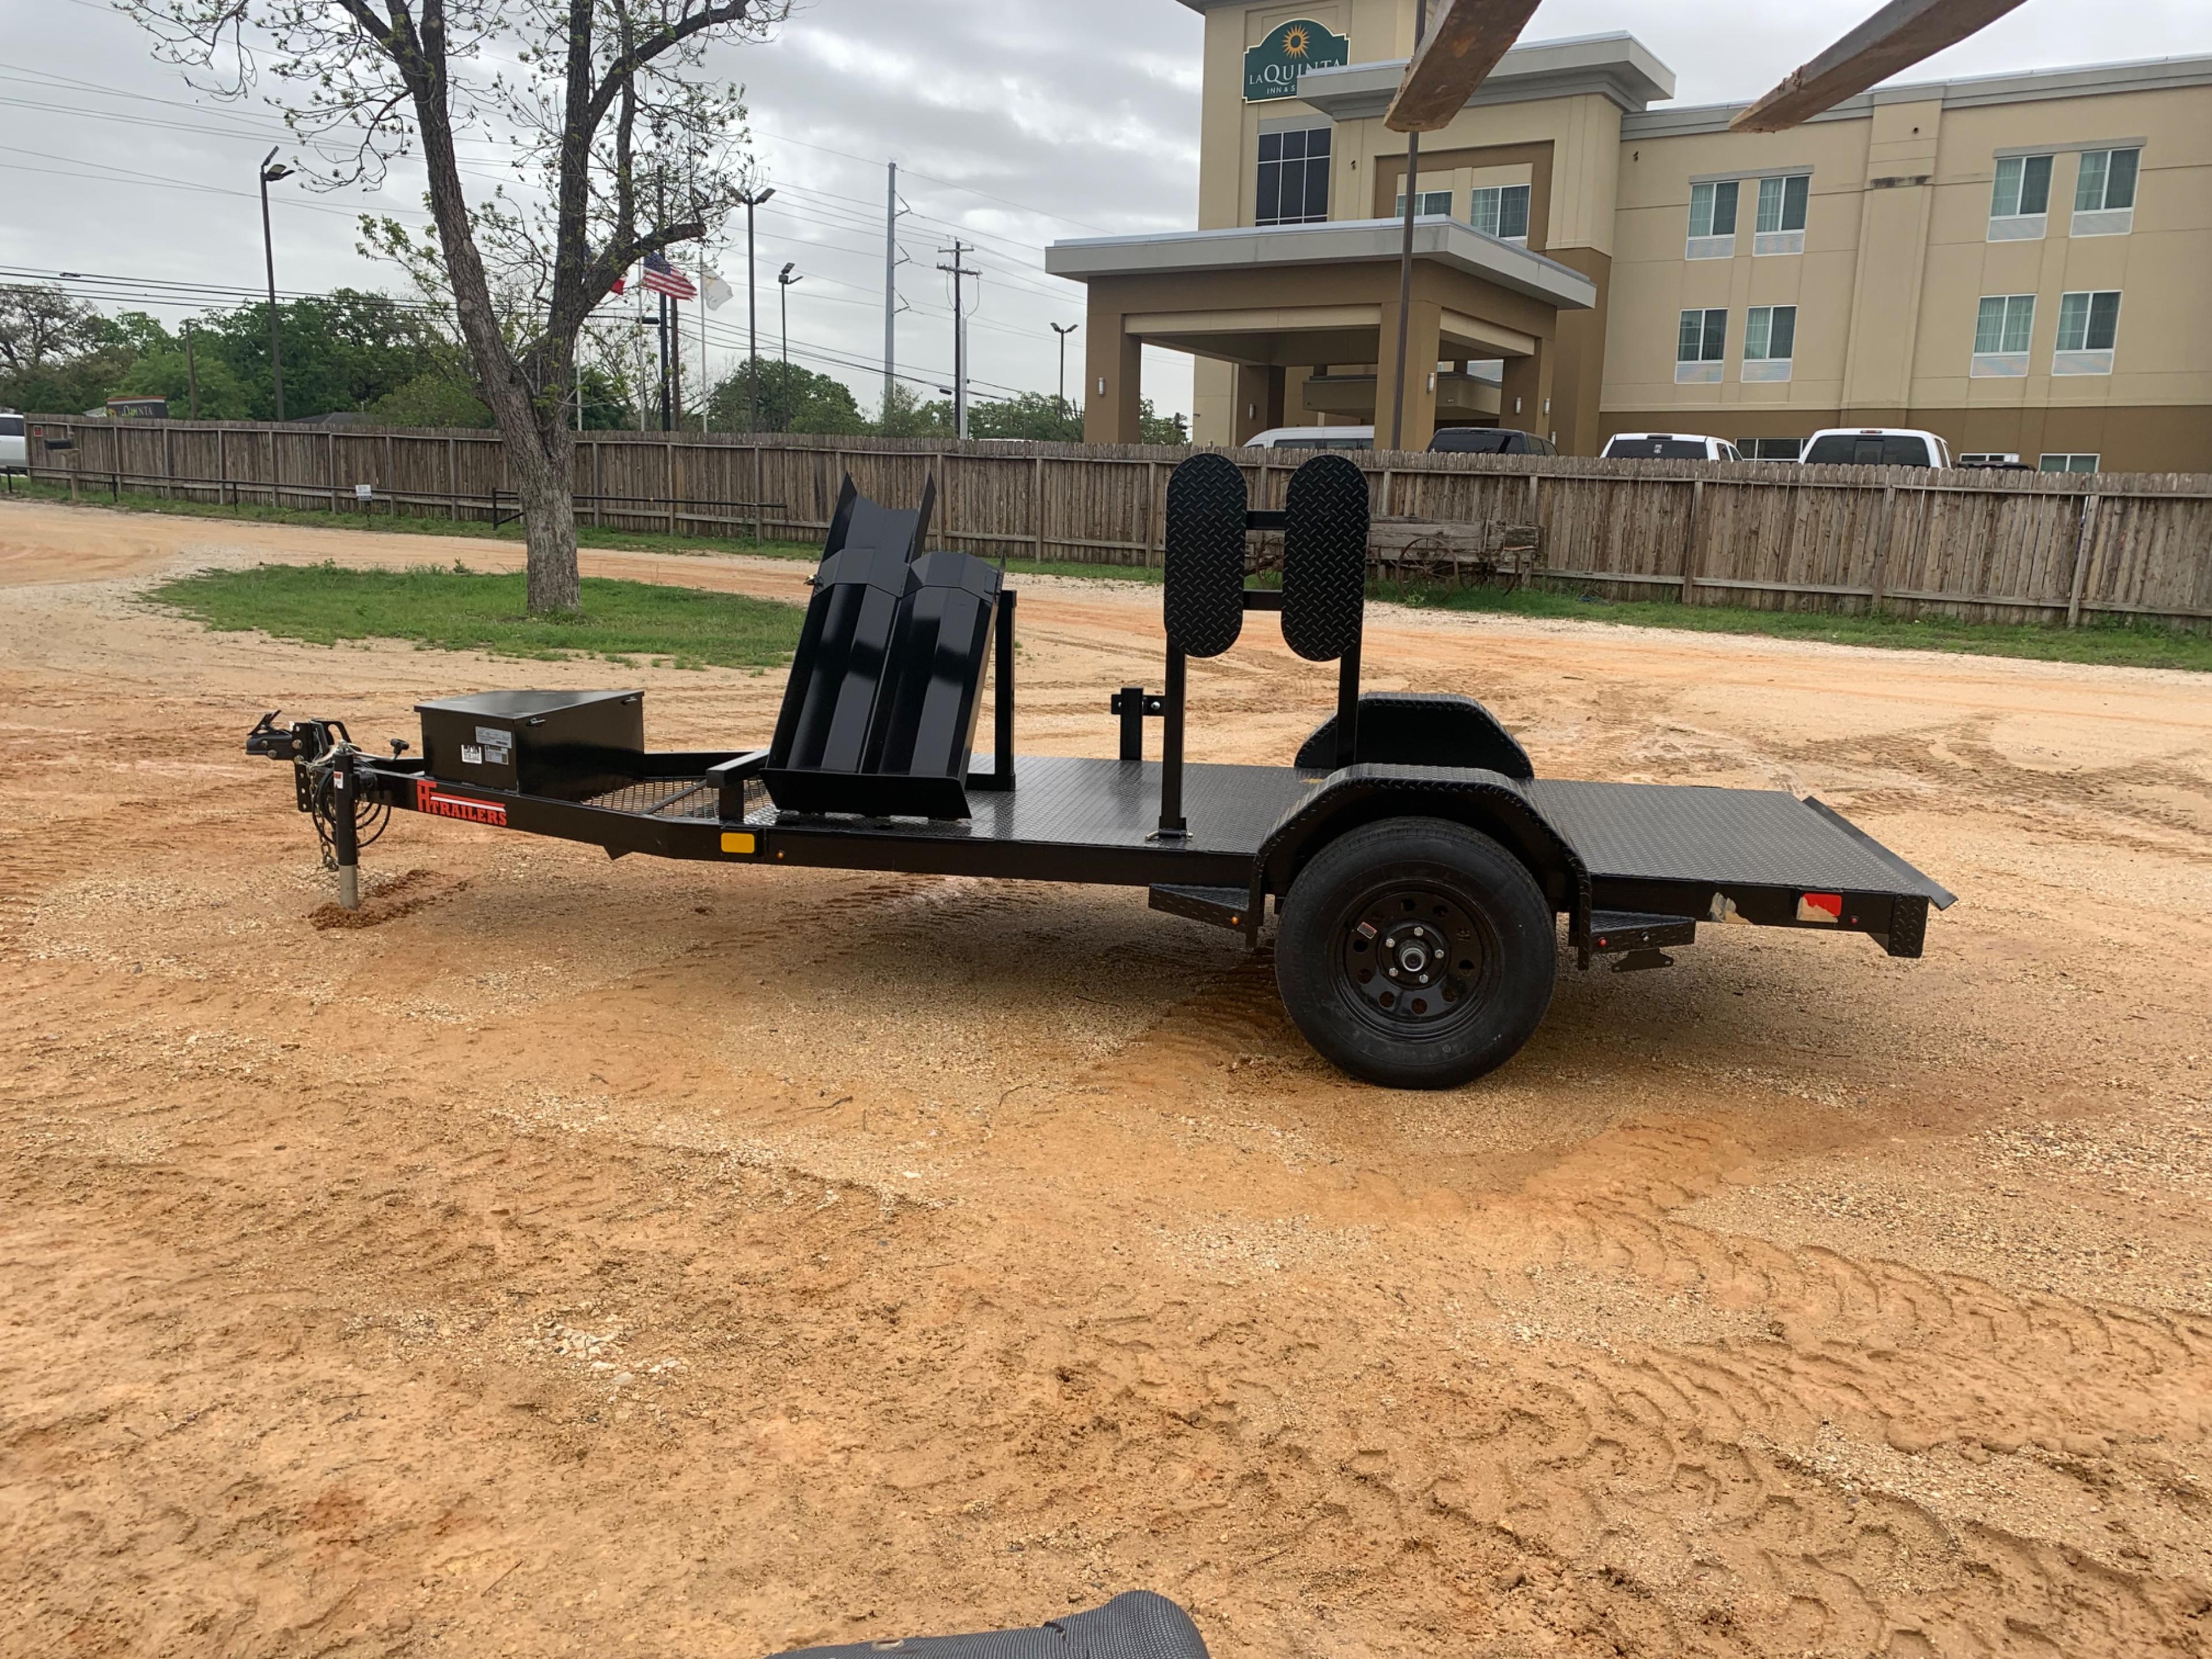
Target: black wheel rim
[(1415, 962)]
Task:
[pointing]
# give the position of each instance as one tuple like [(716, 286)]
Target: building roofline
[(1615, 66), (1962, 92), (1342, 241)]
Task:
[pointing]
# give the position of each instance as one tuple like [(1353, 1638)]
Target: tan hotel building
[(2022, 262)]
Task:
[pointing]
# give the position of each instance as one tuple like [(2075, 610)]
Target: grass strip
[(2102, 641), (457, 608)]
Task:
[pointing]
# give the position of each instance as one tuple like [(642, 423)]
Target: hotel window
[(2020, 208), (1293, 177), (1502, 212), (2067, 463), (2105, 193), (1701, 348), (1769, 341), (2002, 332), (1712, 221), (1435, 203), (2089, 328), (1781, 222)]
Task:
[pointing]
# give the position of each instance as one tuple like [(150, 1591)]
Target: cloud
[(1014, 122)]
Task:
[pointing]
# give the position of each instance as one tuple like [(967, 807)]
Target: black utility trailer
[(1418, 863)]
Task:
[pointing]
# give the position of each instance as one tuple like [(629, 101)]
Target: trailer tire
[(1416, 953)]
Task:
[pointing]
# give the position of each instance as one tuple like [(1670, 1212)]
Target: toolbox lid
[(523, 705)]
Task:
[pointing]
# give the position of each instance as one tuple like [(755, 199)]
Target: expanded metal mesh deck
[(663, 798)]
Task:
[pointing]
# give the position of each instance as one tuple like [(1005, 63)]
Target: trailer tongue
[(1417, 863)]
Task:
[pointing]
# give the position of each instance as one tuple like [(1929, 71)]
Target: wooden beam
[(1895, 39), (1465, 40)]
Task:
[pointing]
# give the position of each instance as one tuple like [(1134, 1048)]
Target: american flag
[(664, 278)]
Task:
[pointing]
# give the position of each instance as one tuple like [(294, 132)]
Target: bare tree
[(602, 104)]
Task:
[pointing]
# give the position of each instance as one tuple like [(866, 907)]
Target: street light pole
[(271, 172), (1064, 333), (784, 283), (753, 199)]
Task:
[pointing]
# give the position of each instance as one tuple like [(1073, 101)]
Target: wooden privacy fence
[(1982, 546)]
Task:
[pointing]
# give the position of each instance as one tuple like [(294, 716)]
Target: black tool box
[(566, 745)]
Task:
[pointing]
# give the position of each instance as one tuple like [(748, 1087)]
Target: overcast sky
[(1014, 122)]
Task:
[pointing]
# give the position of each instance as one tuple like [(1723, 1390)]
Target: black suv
[(1489, 440)]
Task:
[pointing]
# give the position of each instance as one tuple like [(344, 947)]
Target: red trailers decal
[(428, 799)]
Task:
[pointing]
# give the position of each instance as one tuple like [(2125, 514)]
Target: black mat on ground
[(1138, 1624)]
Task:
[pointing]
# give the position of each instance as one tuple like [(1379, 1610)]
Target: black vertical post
[(1132, 722), (1173, 827), (1347, 706), (345, 842), (1002, 735)]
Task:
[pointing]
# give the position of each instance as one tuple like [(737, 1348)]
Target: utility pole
[(958, 272), (271, 171), (785, 281), (1064, 333), (660, 323), (891, 290), (191, 371), (753, 199), (1406, 254)]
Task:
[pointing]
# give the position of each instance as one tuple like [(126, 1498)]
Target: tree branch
[(624, 71)]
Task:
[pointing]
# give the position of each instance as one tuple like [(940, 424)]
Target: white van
[(1313, 437), (14, 443), (1876, 446), (1668, 446)]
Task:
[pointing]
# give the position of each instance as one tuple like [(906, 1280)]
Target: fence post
[(1036, 504), (331, 467), (2082, 546), (453, 478), (1689, 548), (598, 482), (1881, 580), (1152, 513), (168, 463), (760, 486)]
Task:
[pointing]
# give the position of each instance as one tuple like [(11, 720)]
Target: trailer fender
[(1482, 800), (1410, 728)]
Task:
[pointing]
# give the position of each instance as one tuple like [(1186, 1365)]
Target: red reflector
[(1820, 907)]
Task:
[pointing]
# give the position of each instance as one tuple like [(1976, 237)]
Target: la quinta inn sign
[(1271, 68)]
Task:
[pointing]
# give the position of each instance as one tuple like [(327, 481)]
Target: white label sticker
[(491, 736), (471, 754)]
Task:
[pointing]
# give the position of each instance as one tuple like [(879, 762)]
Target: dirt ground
[(637, 1258)]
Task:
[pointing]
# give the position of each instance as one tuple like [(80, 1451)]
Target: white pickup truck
[(15, 445)]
